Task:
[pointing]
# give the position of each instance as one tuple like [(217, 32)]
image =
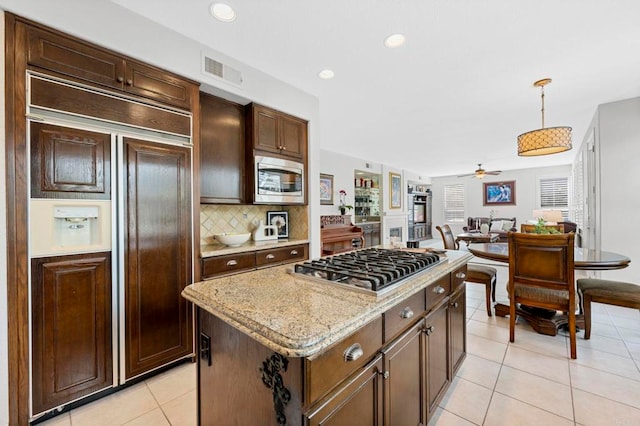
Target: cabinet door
[(265, 129), (375, 235), (69, 163), (153, 83), (405, 384), (457, 329), (63, 55), (357, 402), (71, 328), (221, 151), (437, 362), (157, 258), (293, 136)]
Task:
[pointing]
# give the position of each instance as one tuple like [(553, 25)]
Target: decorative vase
[(484, 228), (343, 210)]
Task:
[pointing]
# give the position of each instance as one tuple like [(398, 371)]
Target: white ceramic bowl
[(232, 240)]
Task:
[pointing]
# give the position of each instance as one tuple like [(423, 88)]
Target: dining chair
[(479, 274), (541, 275)]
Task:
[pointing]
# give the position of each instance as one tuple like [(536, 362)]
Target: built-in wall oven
[(278, 181)]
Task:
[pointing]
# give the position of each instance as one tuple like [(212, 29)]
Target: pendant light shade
[(544, 141)]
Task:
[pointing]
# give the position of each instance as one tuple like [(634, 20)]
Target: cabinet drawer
[(457, 277), (437, 291), (333, 366), (281, 255), (401, 316), (221, 265)]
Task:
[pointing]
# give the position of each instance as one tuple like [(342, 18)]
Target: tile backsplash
[(218, 219)]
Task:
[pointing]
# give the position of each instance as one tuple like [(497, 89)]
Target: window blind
[(454, 203), (554, 195)]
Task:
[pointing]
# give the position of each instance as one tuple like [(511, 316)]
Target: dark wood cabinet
[(217, 266), (71, 328), (276, 132), (437, 356), (357, 402), (222, 151), (405, 378), (69, 163), (371, 234), (457, 328), (157, 264), (70, 57), (278, 256)]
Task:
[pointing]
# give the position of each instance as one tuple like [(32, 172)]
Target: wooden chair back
[(530, 229), (447, 237), (541, 274)]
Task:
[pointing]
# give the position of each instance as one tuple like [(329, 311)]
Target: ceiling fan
[(480, 173)]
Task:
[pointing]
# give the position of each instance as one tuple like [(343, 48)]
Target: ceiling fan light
[(550, 140), (480, 174)]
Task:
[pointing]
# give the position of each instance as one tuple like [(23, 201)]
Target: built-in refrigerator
[(110, 244)]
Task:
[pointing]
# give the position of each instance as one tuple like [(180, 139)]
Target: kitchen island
[(276, 348)]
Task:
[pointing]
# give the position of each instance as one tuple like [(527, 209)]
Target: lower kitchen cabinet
[(457, 328), (437, 356), (357, 402), (71, 328), (404, 386)]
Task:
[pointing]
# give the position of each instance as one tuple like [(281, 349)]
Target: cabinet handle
[(429, 330), (454, 304), (284, 148), (353, 352), (120, 79), (129, 82), (384, 374), (406, 313), (232, 262), (438, 290), (461, 275), (270, 256), (294, 252)]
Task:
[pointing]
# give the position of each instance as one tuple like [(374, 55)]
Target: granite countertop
[(297, 316), (210, 250)]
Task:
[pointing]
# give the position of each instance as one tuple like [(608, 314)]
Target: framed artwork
[(499, 193), (281, 221), (326, 189), (395, 190)]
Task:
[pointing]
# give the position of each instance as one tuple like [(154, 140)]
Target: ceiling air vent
[(217, 69)]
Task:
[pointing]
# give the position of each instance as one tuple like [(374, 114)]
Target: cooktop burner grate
[(371, 269)]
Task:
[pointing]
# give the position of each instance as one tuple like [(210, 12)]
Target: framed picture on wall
[(395, 190), (281, 221), (326, 189), (499, 193)]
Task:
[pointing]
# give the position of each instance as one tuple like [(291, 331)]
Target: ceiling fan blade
[(468, 174), (495, 172)]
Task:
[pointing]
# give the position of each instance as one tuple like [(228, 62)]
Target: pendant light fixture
[(544, 141)]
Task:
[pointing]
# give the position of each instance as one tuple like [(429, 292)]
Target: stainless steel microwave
[(278, 181)]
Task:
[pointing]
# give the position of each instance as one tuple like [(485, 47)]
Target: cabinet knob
[(129, 82), (454, 304), (232, 262), (120, 79), (384, 374), (284, 148), (294, 252), (438, 290), (270, 256), (406, 313), (429, 330), (353, 352), (461, 275)]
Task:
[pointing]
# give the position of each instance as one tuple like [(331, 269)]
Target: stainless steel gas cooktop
[(371, 270)]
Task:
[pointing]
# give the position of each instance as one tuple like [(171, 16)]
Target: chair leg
[(493, 289), (586, 299), (487, 297), (572, 334), (512, 317)]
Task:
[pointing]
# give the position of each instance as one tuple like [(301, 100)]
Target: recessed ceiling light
[(223, 12), (326, 74), (394, 40)]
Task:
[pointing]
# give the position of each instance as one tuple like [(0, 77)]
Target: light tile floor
[(529, 382)]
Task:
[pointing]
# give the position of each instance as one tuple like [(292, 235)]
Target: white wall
[(618, 152), (4, 380), (116, 28), (526, 185)]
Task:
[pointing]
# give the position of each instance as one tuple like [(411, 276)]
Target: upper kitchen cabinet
[(69, 57), (277, 132), (222, 153)]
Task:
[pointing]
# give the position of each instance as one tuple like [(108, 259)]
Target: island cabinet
[(72, 58), (393, 370), (276, 132), (222, 153)]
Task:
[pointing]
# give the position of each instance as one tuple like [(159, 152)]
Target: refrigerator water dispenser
[(75, 225)]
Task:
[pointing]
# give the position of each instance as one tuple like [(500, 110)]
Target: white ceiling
[(456, 94)]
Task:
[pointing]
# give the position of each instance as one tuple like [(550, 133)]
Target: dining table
[(542, 320)]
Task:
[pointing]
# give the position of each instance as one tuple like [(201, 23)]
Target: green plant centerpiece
[(542, 229)]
